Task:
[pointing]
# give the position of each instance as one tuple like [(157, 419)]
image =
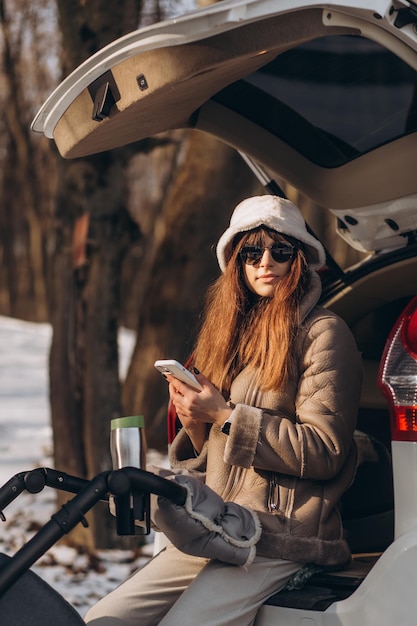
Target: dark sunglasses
[(280, 252)]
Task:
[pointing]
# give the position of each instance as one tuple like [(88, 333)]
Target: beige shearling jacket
[(290, 455)]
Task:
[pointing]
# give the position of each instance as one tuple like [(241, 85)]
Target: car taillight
[(397, 376)]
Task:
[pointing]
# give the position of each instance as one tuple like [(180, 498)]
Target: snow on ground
[(25, 443)]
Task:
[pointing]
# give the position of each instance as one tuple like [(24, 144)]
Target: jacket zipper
[(273, 493)]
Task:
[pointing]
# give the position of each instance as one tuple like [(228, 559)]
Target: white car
[(323, 96)]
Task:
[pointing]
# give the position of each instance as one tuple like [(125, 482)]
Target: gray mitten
[(207, 526)]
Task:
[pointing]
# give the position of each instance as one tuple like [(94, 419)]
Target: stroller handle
[(121, 484)]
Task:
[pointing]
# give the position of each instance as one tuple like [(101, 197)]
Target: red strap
[(172, 414), (172, 422)]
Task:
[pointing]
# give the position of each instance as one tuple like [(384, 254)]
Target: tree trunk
[(84, 375), (21, 192)]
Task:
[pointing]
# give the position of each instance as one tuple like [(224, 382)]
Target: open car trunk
[(319, 95)]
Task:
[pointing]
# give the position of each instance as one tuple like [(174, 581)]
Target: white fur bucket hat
[(276, 213)]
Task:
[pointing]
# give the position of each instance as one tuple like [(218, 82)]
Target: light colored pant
[(176, 589)]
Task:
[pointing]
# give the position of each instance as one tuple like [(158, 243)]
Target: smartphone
[(170, 366)]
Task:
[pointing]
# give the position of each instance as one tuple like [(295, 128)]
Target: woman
[(272, 429)]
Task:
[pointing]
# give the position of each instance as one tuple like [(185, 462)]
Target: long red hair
[(240, 329)]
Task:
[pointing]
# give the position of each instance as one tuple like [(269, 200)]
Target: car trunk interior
[(175, 81)]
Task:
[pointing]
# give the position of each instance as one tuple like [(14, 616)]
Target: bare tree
[(93, 231), (24, 191)]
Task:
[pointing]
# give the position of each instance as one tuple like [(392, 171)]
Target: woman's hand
[(196, 409)]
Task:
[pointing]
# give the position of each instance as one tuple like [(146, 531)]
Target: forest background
[(122, 238)]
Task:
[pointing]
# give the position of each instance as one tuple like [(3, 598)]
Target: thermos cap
[(132, 421)]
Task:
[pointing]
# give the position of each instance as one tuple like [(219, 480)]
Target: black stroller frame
[(27, 599)]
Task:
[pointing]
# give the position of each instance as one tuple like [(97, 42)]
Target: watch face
[(226, 428)]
